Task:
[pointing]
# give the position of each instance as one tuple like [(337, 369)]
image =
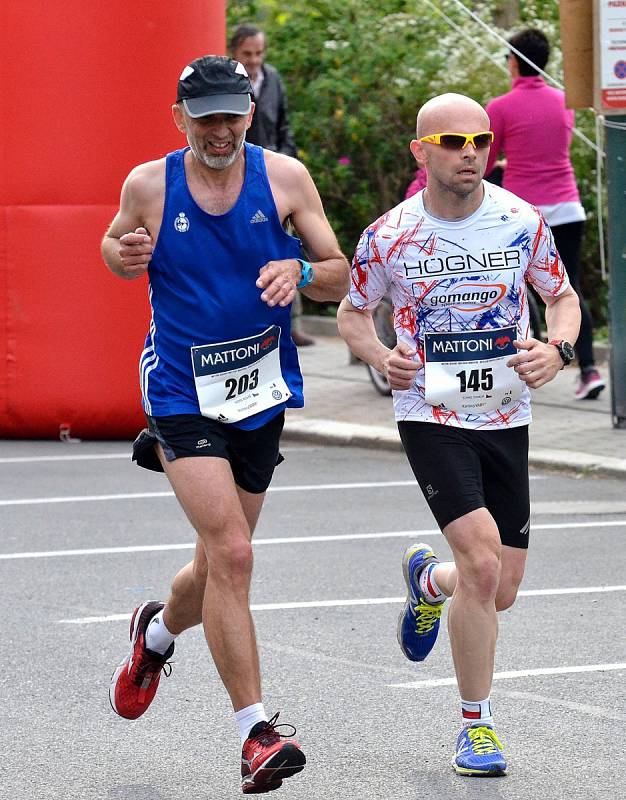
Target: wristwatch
[(307, 274), (566, 351)]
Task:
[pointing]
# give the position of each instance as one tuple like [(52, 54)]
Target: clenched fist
[(135, 252)]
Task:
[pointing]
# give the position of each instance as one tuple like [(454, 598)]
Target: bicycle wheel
[(383, 322)]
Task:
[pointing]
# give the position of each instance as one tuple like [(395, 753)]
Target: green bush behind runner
[(356, 71)]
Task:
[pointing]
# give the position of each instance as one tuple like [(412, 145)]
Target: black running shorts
[(460, 470), (252, 455)]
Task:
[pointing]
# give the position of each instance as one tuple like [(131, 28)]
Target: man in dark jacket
[(270, 126)]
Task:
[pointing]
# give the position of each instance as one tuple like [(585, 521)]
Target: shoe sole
[(269, 787), (287, 762), (476, 773), (134, 625), (409, 597), (592, 394)]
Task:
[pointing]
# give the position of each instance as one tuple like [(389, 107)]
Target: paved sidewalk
[(342, 406)]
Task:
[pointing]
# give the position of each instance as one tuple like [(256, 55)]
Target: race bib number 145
[(467, 372)]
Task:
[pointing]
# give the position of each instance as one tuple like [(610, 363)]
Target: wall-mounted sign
[(611, 22)]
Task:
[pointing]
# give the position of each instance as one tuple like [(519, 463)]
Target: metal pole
[(616, 185)]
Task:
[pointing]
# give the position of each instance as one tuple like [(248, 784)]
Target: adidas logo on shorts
[(259, 217)]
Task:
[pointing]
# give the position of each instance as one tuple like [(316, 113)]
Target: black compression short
[(252, 455), (460, 470)]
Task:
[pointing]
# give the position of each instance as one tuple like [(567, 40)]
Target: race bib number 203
[(237, 379)]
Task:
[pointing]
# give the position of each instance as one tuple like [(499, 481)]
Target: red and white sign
[(612, 29)]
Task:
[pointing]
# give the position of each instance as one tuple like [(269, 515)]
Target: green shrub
[(357, 71)]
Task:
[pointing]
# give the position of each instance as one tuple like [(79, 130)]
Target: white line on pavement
[(366, 601), (583, 708), (339, 537), (108, 456), (570, 590), (75, 457), (187, 546), (91, 498), (86, 498), (519, 673)]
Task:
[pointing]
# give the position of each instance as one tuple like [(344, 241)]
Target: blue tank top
[(203, 289)]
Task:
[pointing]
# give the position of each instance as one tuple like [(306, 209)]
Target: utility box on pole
[(593, 37)]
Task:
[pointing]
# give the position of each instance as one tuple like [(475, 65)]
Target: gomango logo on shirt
[(469, 296)]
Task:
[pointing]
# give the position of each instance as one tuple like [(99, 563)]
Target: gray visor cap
[(218, 104)]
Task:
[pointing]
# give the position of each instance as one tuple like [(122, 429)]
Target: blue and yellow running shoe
[(418, 624), (479, 752)]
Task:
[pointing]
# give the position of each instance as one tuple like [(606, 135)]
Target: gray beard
[(218, 162)]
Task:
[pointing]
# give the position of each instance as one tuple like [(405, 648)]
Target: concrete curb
[(571, 461), (328, 431), (331, 432)]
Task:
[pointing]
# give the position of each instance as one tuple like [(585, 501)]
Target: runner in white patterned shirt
[(455, 259)]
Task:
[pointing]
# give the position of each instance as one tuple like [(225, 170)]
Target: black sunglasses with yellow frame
[(459, 141)]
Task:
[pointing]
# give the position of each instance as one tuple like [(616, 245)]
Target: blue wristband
[(307, 274)]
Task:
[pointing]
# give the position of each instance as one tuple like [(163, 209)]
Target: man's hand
[(279, 279), (536, 363), (399, 367), (135, 252)]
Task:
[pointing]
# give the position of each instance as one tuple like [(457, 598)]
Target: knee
[(231, 559), (239, 556), (480, 574)]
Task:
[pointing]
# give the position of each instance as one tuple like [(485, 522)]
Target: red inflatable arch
[(86, 91)]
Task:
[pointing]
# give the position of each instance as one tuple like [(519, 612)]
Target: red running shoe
[(135, 681), (267, 757)]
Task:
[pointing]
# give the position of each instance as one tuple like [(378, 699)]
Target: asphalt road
[(85, 536)]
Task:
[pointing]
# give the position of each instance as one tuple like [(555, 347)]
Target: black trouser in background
[(568, 240)]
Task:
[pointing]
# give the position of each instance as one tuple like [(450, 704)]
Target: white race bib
[(467, 372), (237, 379)]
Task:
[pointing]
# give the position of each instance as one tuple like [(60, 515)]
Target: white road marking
[(518, 673), (568, 590), (85, 498), (75, 457), (190, 546), (339, 537), (91, 498), (583, 708), (110, 456), (365, 601), (87, 620), (97, 551)]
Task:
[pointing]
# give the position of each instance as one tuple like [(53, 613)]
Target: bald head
[(451, 113)]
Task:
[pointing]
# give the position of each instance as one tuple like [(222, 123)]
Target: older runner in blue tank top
[(203, 275), (217, 371)]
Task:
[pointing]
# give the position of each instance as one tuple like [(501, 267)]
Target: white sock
[(158, 638), (476, 713), (248, 717), (428, 585)]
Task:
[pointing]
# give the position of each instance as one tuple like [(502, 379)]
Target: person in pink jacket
[(417, 184), (533, 130)]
